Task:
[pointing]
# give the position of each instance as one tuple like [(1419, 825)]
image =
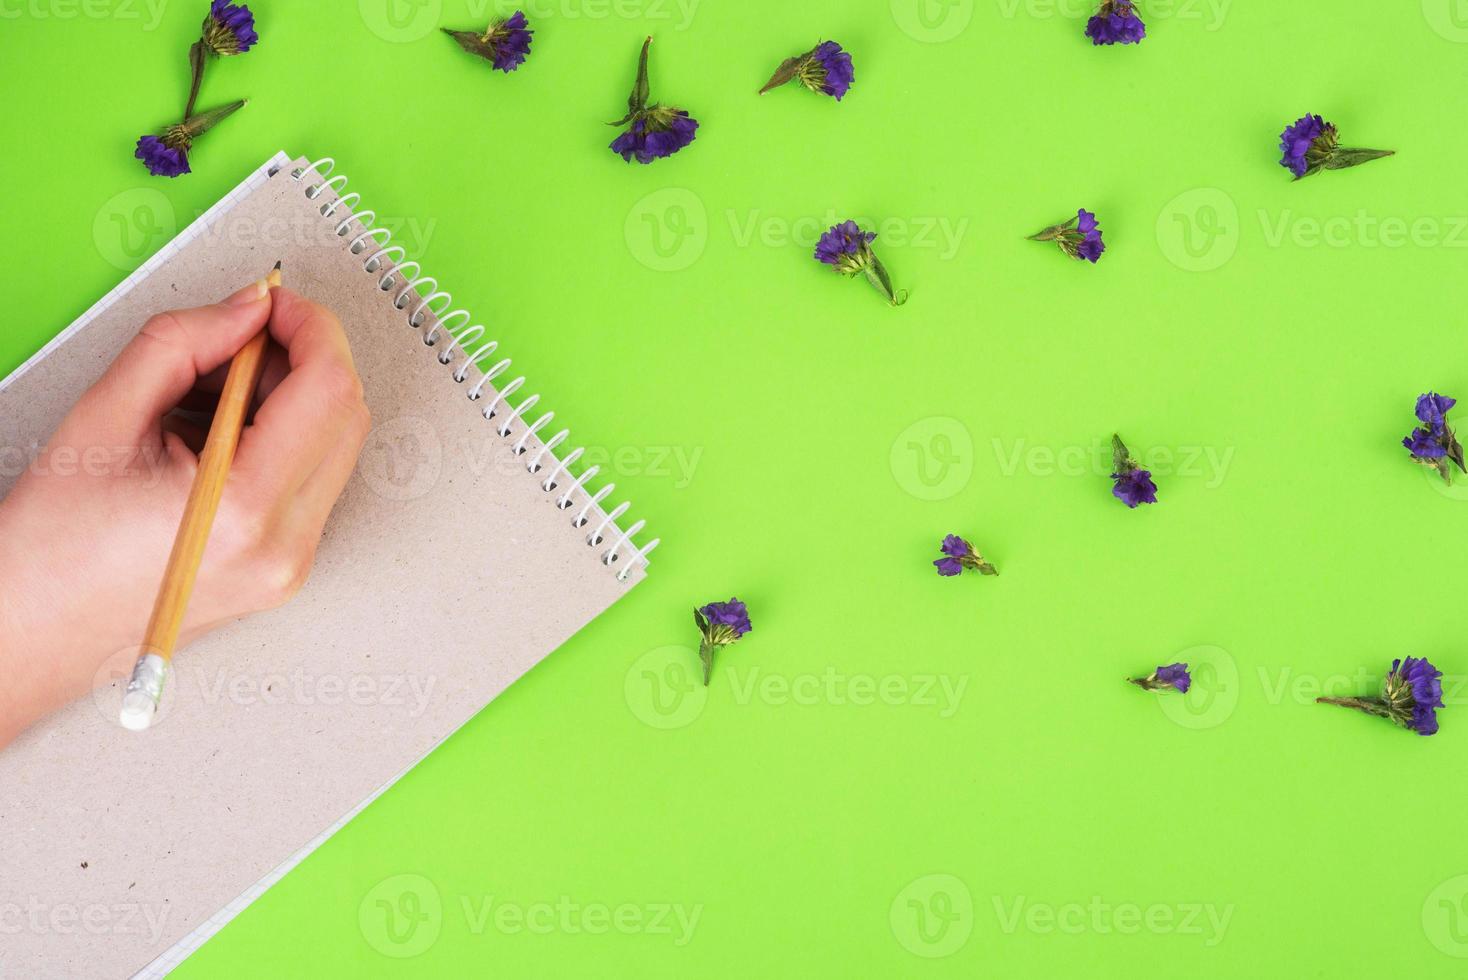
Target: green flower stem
[(207, 120), (876, 274), (1369, 705), (706, 654), (196, 66), (1352, 156)]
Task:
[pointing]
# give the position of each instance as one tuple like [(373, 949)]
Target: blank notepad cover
[(445, 572)]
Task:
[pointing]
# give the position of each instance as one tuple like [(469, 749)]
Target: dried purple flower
[(1411, 695), (505, 44), (1434, 444), (1116, 22), (1174, 677), (1078, 237), (848, 250), (720, 623), (959, 555), (167, 155), (825, 68), (1311, 144), (657, 130), (229, 29), (1133, 484), (161, 159)]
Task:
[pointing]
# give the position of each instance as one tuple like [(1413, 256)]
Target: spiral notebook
[(468, 545)]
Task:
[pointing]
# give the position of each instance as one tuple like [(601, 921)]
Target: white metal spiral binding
[(392, 263)]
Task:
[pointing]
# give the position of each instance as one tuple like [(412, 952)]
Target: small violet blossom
[(1133, 484), (229, 29), (1117, 22), (1311, 144), (656, 131), (1433, 443), (1174, 677), (720, 624), (824, 69), (1411, 695), (848, 250), (1078, 237), (505, 44), (958, 555)]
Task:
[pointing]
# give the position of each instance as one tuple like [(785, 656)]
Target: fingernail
[(253, 293)]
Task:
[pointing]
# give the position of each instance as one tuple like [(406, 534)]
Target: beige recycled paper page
[(445, 573)]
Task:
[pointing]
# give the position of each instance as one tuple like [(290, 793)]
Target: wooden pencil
[(140, 703)]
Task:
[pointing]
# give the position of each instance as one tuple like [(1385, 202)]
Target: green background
[(1263, 339)]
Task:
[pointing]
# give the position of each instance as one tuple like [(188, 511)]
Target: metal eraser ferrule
[(144, 692)]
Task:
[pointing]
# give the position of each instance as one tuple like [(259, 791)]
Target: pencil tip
[(278, 263)]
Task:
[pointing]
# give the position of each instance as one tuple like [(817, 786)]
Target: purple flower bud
[(732, 614), (1133, 484), (1134, 487), (229, 29), (161, 159), (720, 624), (848, 250), (1311, 144), (505, 45), (1411, 695), (824, 69), (661, 133), (1116, 22), (1078, 237), (960, 555), (1433, 443), (1433, 407), (1174, 677)]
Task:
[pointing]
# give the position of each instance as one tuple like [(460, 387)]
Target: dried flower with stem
[(1311, 144), (720, 624), (505, 44), (825, 69), (1078, 237), (1411, 695), (167, 154), (848, 250), (656, 130)]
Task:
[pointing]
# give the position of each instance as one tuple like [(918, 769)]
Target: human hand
[(86, 532)]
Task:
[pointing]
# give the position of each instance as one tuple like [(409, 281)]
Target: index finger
[(313, 406)]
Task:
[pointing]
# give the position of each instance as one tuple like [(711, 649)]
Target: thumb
[(168, 356)]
